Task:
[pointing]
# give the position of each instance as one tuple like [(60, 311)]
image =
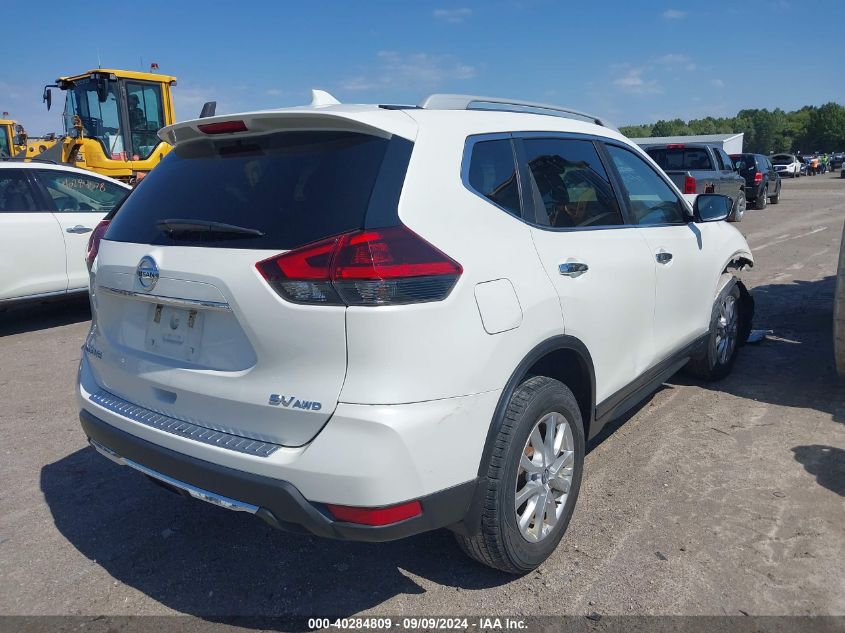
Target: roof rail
[(471, 102)]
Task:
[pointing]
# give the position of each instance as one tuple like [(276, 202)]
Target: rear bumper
[(277, 502)]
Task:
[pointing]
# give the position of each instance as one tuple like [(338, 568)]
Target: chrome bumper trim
[(170, 301), (196, 493), (182, 428)]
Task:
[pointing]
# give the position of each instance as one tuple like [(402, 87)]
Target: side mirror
[(47, 97), (712, 207)]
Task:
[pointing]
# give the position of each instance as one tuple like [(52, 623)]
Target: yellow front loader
[(111, 120), (12, 138)]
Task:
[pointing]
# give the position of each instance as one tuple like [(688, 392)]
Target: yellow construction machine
[(111, 120), (12, 138)]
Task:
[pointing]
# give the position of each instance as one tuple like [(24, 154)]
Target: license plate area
[(174, 332)]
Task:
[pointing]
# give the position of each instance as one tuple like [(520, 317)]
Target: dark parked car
[(836, 160), (762, 182)]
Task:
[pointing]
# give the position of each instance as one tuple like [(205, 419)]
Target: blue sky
[(631, 62)]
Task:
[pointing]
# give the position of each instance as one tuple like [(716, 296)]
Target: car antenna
[(322, 98)]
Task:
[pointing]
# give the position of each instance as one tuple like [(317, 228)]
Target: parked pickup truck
[(700, 168)]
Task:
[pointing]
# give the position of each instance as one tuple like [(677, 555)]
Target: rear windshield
[(686, 159), (278, 191), (783, 160), (748, 162)]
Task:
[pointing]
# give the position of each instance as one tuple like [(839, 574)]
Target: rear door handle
[(79, 229), (572, 269), (663, 257)]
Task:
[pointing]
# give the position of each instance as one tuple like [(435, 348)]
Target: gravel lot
[(717, 499)]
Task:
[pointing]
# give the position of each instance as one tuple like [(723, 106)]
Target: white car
[(367, 321), (47, 213), (787, 165)]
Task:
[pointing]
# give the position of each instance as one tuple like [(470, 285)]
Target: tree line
[(810, 129)]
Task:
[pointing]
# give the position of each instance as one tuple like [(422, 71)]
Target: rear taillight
[(94, 242), (387, 266), (376, 516), (689, 184), (758, 177)]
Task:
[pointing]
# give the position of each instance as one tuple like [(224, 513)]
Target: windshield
[(99, 120), (5, 150)]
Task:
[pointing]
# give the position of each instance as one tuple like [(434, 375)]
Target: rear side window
[(76, 192), (16, 195), (725, 163), (681, 159), (569, 184), (278, 191), (492, 173)]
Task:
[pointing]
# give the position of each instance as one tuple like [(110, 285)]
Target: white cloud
[(672, 59), (453, 16), (634, 83), (673, 14), (414, 70), (717, 83), (357, 84)]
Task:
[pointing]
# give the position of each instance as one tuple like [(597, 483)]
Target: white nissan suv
[(369, 321)]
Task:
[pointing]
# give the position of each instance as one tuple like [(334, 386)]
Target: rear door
[(80, 201), (600, 267), (188, 326), (680, 252), (32, 251)]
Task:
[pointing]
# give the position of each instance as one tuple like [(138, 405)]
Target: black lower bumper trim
[(280, 503)]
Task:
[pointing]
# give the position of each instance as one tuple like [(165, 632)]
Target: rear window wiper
[(208, 229)]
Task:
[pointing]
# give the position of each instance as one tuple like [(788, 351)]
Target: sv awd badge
[(291, 402)]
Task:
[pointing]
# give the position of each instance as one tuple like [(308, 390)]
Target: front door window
[(146, 117)]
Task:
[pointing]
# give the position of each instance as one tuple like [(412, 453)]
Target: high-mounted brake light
[(376, 516), (94, 242), (675, 146), (689, 184), (222, 127), (386, 266)]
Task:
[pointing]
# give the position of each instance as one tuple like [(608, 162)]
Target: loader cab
[(12, 138), (111, 120), (5, 139)]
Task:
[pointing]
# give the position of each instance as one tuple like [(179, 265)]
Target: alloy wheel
[(727, 326), (544, 477)]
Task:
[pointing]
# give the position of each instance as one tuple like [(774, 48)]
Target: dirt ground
[(708, 499)]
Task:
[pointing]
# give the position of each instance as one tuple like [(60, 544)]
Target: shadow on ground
[(826, 463), (33, 317), (794, 367), (200, 560)]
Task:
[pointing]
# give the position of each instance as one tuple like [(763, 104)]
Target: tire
[(719, 356), (739, 207), (762, 200), (775, 199), (500, 542)]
